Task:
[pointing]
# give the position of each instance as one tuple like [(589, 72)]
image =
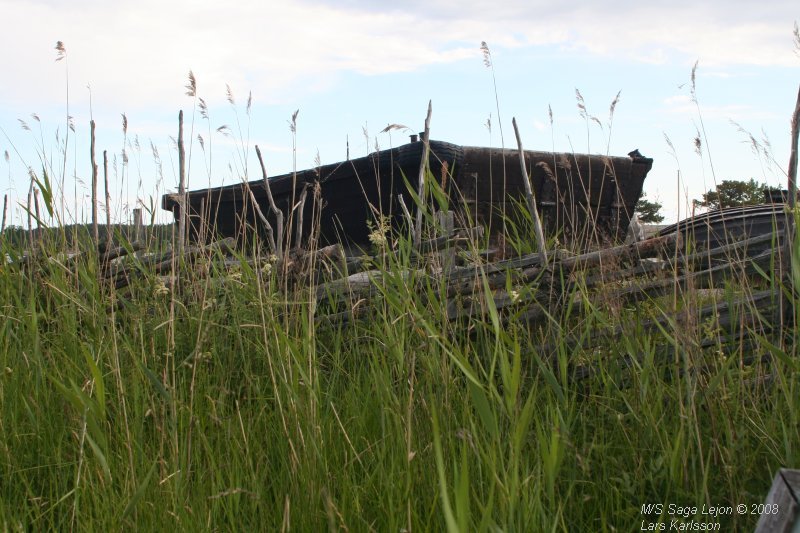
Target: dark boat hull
[(573, 192)]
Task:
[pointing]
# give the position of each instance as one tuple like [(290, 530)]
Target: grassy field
[(223, 402)]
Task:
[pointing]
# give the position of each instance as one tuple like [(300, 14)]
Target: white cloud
[(539, 125), (138, 54), (684, 105)]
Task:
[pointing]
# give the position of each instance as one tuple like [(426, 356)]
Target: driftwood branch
[(278, 213), (270, 236), (422, 166), (530, 198), (406, 212)]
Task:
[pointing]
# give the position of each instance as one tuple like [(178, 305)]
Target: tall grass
[(240, 408)]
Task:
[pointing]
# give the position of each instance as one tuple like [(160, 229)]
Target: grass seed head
[(62, 52), (191, 87), (487, 54)]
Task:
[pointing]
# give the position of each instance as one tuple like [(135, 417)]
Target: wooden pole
[(531, 199), (788, 310), (792, 173), (108, 200), (95, 231), (423, 163), (181, 186), (137, 224)]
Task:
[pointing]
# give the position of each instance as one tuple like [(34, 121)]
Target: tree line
[(72, 234), (728, 193)]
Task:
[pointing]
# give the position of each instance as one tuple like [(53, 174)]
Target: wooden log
[(702, 279), (530, 266), (165, 262), (734, 251), (340, 287), (782, 497), (466, 290), (636, 250), (122, 251), (722, 255)]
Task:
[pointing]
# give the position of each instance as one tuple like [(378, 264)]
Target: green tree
[(731, 193), (648, 211)]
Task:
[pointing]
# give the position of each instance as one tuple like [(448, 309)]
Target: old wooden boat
[(573, 191), (732, 225)]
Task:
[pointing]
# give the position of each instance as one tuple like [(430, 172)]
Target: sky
[(350, 68)]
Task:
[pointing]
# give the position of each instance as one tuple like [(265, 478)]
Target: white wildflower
[(160, 287)]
